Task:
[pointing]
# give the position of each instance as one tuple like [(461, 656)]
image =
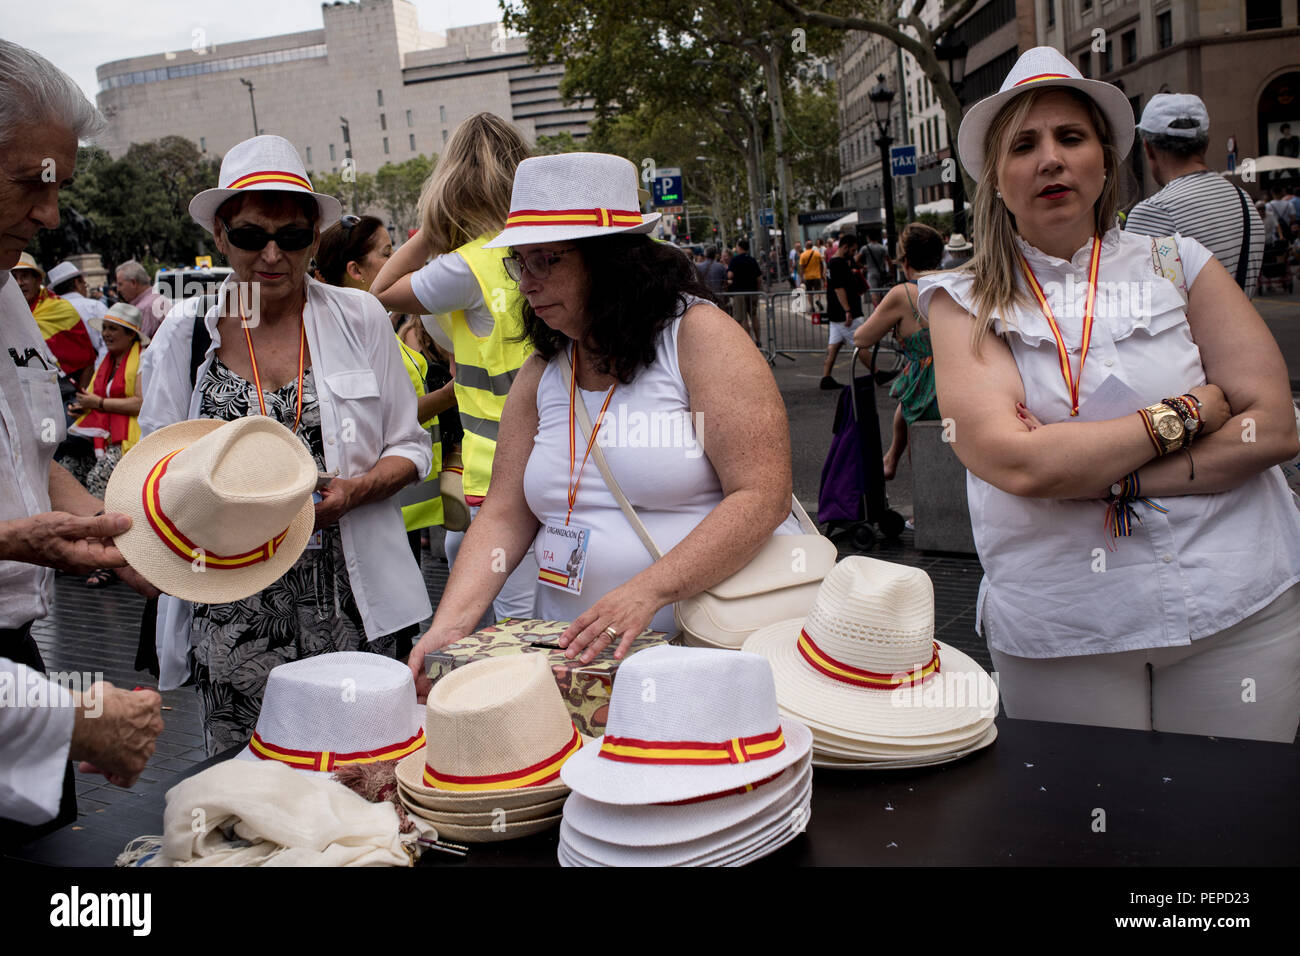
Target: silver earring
[(999, 194)]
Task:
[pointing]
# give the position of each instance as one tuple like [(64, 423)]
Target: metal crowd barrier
[(794, 321)]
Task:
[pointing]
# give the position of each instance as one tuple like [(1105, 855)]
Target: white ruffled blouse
[(1050, 587)]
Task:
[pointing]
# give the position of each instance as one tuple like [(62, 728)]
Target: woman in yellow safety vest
[(444, 273)]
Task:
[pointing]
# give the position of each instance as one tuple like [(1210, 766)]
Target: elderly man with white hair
[(47, 520), (135, 287)]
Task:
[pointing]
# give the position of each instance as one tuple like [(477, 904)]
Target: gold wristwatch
[(1166, 427)]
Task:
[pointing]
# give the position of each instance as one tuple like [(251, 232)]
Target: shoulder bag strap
[(584, 424), (1164, 250), (1244, 258)]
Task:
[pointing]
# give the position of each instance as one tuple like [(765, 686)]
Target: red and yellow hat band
[(270, 176), (735, 750), (823, 663), (326, 760), (182, 546), (574, 217), (542, 772), (1037, 77)]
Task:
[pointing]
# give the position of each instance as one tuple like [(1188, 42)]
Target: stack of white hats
[(498, 733), (696, 767), (864, 672)]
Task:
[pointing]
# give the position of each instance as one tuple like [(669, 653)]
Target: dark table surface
[(1043, 794)]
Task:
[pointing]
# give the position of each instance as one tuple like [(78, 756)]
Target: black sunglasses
[(254, 238)]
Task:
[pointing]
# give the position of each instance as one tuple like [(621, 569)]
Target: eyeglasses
[(538, 264), (254, 238)]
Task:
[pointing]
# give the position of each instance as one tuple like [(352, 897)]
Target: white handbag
[(779, 583)]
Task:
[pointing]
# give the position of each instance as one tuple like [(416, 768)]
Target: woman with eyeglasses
[(687, 412), (323, 361), (445, 273)]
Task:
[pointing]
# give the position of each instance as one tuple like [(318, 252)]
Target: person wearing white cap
[(1194, 200), (1141, 553), (321, 360), (69, 282), (625, 337)]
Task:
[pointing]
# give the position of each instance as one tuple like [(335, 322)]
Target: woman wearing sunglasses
[(323, 362), (688, 414), (463, 291)]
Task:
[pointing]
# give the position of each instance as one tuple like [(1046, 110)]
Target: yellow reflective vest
[(486, 367), (422, 502)]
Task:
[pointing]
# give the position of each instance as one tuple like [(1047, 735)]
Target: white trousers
[(518, 596), (1242, 682)]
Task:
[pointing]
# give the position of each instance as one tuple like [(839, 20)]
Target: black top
[(744, 273), (841, 277)]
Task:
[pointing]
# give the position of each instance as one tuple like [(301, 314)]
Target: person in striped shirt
[(1194, 200)]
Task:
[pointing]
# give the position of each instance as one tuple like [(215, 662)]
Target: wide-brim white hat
[(332, 710), (864, 665), (266, 163), (684, 723), (229, 506), (63, 272), (572, 196), (827, 761), (1037, 69)]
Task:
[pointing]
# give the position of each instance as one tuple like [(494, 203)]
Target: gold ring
[(613, 634)]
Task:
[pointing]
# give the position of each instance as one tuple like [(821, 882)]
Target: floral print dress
[(309, 611)]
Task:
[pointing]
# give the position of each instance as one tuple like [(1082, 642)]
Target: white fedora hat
[(498, 733), (572, 196), (327, 711), (864, 663), (686, 722), (958, 243), (120, 313), (218, 510), (63, 272), (262, 164), (1036, 69)]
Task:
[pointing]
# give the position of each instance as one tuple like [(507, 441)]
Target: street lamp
[(347, 155), (952, 50), (881, 96), (251, 103)]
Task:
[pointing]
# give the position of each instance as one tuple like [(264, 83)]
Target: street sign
[(902, 160), (667, 187), (767, 217)]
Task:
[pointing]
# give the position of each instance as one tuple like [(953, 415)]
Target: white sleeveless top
[(651, 442), (1051, 588)]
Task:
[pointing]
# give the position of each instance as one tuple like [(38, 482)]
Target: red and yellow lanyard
[(1071, 382), (575, 480), (257, 378)]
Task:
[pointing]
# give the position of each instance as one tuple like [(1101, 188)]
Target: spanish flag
[(64, 332)]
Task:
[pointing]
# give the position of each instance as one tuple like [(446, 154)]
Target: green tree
[(815, 135), (397, 189), (355, 186), (559, 143)]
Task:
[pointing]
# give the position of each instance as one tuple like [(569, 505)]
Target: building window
[(203, 144), (385, 145), (1085, 65), (412, 138), (383, 121), (1165, 30), (442, 114), (380, 95), (409, 121), (308, 155), (1130, 41), (332, 152), (1263, 14), (1085, 5), (1108, 58), (1051, 13), (444, 137)]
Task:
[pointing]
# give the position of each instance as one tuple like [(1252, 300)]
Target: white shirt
[(90, 310), (32, 424), (447, 284), (1212, 561), (367, 409), (34, 739)]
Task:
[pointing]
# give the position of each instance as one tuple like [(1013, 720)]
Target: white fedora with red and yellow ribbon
[(333, 710), (573, 196), (686, 723), (1042, 68), (218, 510), (498, 734), (865, 672), (263, 163)]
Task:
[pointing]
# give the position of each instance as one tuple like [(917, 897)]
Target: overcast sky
[(79, 35)]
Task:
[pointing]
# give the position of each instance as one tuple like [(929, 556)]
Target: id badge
[(561, 552), (317, 539)]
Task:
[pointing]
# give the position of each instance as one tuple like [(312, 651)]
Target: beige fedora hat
[(218, 510), (124, 314), (498, 733), (25, 261), (864, 664)]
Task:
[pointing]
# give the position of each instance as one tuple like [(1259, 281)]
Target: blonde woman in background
[(462, 206), (1141, 551)]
